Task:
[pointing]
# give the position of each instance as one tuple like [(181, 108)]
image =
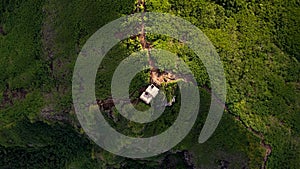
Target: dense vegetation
[(258, 42), (260, 58)]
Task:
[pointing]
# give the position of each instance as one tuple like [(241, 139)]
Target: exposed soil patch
[(158, 77)]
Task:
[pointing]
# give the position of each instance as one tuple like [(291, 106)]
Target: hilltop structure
[(149, 94)]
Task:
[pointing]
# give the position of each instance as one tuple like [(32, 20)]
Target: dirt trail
[(108, 103), (141, 5)]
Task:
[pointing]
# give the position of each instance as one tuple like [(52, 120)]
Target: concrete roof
[(149, 94)]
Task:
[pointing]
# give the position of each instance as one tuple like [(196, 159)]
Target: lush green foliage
[(21, 62), (43, 146), (258, 42), (254, 39)]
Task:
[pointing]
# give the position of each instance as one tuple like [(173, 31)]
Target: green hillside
[(258, 43)]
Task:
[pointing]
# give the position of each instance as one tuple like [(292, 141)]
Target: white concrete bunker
[(149, 94)]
